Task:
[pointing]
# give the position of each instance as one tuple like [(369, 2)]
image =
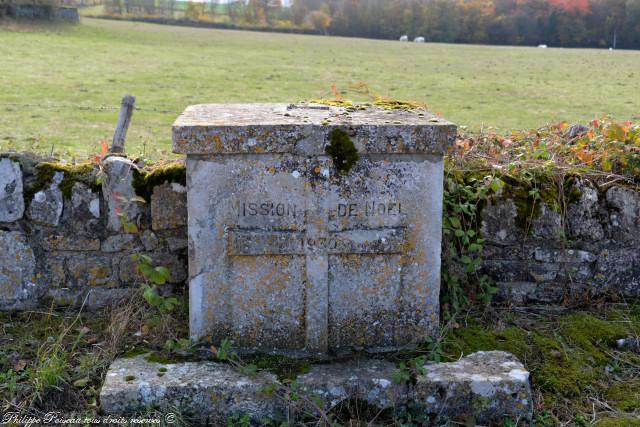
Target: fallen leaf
[(82, 382), (104, 147)]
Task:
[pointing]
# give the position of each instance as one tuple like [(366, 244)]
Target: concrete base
[(487, 387)]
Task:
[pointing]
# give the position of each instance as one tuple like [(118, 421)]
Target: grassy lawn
[(55, 82)]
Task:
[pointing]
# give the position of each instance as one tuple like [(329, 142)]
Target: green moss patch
[(284, 367), (164, 358), (135, 352), (565, 360), (593, 335), (146, 179), (625, 396), (618, 422), (342, 151), (572, 357), (86, 173)]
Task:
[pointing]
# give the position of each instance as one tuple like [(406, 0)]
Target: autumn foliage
[(605, 150), (558, 23), (594, 23)]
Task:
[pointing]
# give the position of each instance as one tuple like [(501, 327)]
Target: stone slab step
[(487, 387)]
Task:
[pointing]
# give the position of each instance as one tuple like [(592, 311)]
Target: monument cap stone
[(305, 129), (313, 229)]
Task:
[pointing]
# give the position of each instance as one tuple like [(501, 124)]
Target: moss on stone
[(572, 193), (44, 172), (528, 198), (342, 151), (284, 367), (135, 352), (564, 361), (551, 368), (542, 188), (164, 358), (145, 180)]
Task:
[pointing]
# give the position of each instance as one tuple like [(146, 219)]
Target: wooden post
[(119, 137)]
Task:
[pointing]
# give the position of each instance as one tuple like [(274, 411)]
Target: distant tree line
[(568, 23)]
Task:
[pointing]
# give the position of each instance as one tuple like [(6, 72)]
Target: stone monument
[(313, 229)]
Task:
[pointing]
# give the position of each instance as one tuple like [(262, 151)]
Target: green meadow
[(60, 87)]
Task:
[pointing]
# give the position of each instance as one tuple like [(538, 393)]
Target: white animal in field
[(542, 46), (404, 38), (418, 40)]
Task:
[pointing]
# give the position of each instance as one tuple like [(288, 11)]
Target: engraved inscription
[(268, 208), (252, 242), (366, 209)]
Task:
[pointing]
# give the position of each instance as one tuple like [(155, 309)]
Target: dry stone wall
[(62, 242), (588, 250), (68, 247)]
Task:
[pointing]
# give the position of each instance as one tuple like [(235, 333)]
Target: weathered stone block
[(149, 240), (17, 271), (583, 216), (516, 292), (91, 270), (85, 200), (563, 255), (46, 206), (623, 221), (169, 206), (119, 242), (507, 270), (57, 242), (11, 199), (618, 270), (498, 224), (543, 272), (118, 192), (367, 380), (176, 243), (487, 387), (290, 249), (212, 392), (91, 298), (547, 225), (55, 274), (85, 210)]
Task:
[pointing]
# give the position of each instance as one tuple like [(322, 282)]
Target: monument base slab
[(487, 387)]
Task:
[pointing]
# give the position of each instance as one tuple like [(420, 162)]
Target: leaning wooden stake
[(119, 137)]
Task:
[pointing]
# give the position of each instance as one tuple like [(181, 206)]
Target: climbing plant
[(463, 245)]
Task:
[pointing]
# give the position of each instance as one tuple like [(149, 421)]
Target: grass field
[(54, 82)]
